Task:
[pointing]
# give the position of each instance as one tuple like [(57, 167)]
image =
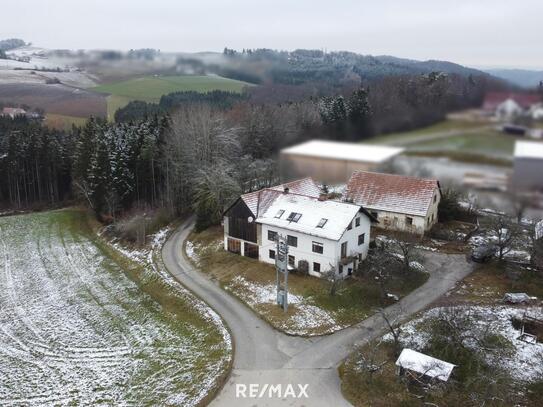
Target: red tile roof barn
[(525, 100), (391, 193)]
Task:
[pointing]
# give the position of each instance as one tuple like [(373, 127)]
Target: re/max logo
[(258, 391)]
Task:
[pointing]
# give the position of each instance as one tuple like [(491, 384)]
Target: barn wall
[(237, 223)]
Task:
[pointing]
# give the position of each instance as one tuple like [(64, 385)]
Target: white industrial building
[(528, 167), (332, 162)]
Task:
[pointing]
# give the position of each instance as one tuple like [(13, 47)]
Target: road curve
[(265, 356)]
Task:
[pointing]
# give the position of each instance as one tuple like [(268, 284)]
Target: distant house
[(398, 202), (508, 105), (422, 368), (321, 234), (13, 112), (332, 162), (528, 167), (537, 111)]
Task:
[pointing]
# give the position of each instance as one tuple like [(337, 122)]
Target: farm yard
[(151, 88), (312, 310), (86, 322)]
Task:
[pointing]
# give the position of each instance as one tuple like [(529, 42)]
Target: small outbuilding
[(332, 162), (422, 367)]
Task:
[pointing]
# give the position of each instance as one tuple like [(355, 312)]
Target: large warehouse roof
[(343, 151), (529, 149)]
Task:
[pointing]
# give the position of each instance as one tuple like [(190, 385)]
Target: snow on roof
[(392, 193), (424, 364), (312, 210), (305, 186), (529, 149), (343, 151)]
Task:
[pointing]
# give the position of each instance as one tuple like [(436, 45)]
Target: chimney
[(286, 190)]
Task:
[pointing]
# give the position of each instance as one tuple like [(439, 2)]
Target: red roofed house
[(13, 112), (402, 203), (508, 105)]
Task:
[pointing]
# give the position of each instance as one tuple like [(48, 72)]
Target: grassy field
[(82, 324), (151, 88), (486, 142), (442, 127), (63, 122), (312, 310)]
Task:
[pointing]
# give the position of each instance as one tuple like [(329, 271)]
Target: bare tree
[(506, 234), (334, 280), (395, 329), (370, 362)]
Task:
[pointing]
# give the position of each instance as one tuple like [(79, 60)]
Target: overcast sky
[(481, 33)]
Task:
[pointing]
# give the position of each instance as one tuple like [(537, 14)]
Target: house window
[(350, 225), (291, 260), (343, 250), (279, 213), (357, 222), (272, 235), (340, 269), (294, 217), (435, 198), (317, 267), (432, 217), (272, 254), (322, 222), (408, 220), (361, 239), (318, 247), (292, 241)]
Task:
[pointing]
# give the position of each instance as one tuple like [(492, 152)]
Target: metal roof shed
[(424, 365)]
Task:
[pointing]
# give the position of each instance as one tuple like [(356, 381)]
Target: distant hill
[(415, 66), (521, 77)]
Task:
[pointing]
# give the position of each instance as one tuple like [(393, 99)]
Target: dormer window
[(294, 217), (322, 222), (279, 213)]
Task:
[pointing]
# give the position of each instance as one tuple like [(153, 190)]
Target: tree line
[(196, 152)]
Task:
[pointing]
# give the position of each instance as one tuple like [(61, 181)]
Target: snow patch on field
[(74, 329), (524, 363), (305, 318)]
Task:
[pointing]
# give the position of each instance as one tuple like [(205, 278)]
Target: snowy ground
[(524, 363), (304, 318), (74, 329)]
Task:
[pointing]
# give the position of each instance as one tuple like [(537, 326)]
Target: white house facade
[(328, 234), (322, 235), (401, 203)]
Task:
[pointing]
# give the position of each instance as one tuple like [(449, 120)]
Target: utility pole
[(281, 267)]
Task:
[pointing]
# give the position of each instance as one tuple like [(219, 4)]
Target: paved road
[(266, 356)]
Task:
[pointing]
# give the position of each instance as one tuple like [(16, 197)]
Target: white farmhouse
[(398, 202), (322, 235)]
